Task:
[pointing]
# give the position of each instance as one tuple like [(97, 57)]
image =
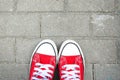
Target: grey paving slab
[(6, 5), (106, 25), (14, 71), (24, 49), (20, 25), (118, 51), (65, 25), (99, 51), (59, 20), (90, 5), (118, 5), (7, 53), (107, 72), (40, 5), (7, 78), (88, 72)]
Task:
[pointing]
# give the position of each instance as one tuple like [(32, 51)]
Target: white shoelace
[(43, 73), (72, 74)]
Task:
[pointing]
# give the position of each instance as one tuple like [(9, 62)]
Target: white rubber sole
[(71, 41), (44, 41)]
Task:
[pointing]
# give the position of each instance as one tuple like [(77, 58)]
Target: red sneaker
[(71, 61), (43, 61)]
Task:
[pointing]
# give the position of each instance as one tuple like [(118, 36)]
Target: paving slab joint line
[(116, 5), (15, 48), (40, 26), (117, 48), (7, 62), (90, 12), (65, 5), (90, 28), (15, 5), (76, 37), (19, 37), (112, 37), (93, 72), (93, 11)]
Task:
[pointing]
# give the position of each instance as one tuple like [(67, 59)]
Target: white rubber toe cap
[(47, 47), (70, 49)]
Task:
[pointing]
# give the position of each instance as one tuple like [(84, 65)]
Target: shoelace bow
[(43, 73), (70, 72)]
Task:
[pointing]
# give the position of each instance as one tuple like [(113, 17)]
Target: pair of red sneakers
[(70, 61)]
